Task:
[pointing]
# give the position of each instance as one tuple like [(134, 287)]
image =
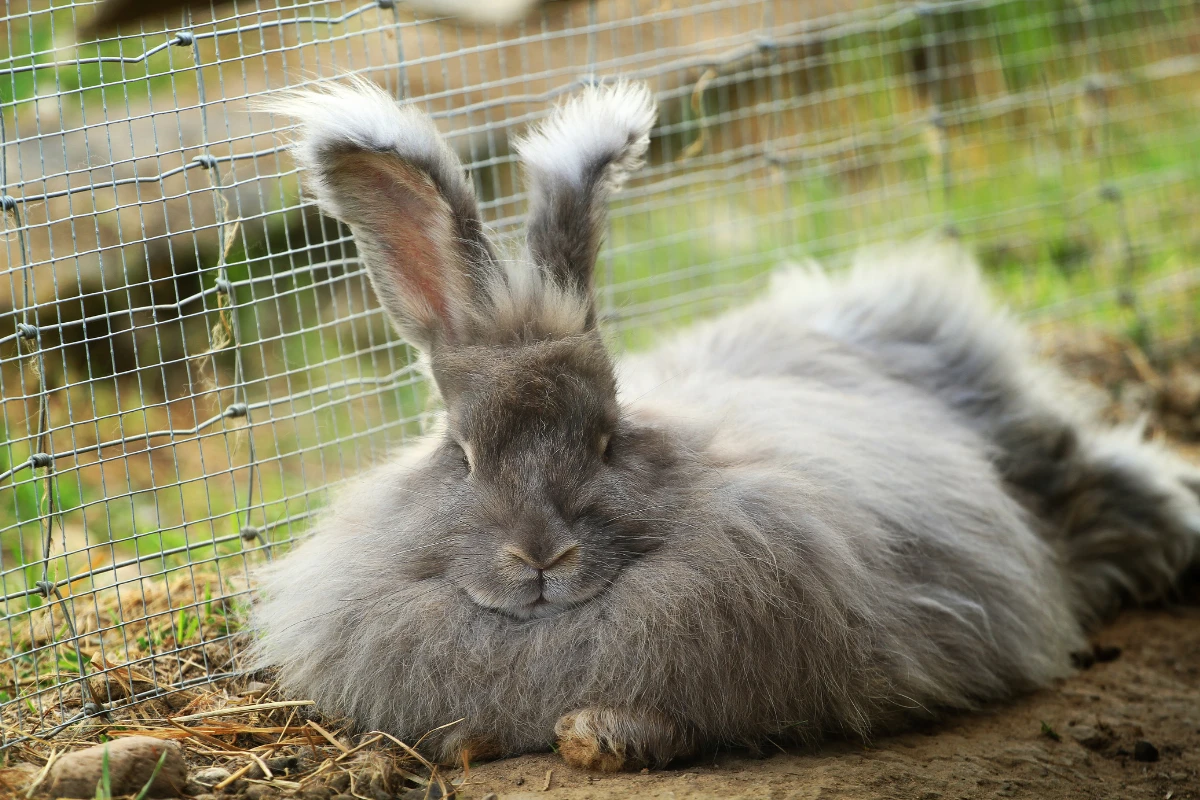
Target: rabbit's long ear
[(384, 170), (574, 160)]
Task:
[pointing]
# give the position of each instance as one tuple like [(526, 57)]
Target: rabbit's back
[(1122, 515)]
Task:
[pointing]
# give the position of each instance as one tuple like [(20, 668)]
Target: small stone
[(210, 776), (1084, 659), (258, 791), (1144, 751), (284, 764), (131, 762), (1088, 736), (281, 765)]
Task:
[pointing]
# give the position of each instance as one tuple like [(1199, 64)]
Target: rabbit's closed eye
[(464, 455), (605, 446)]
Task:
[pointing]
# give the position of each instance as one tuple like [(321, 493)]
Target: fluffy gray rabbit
[(856, 502)]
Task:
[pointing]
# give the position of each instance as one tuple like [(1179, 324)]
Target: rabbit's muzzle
[(531, 582)]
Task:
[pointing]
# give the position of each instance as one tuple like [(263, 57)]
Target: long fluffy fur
[(1122, 511), (863, 500)]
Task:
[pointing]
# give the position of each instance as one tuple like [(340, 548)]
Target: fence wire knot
[(184, 39), (250, 533), (235, 410), (41, 461), (8, 203), (45, 588), (207, 161), (27, 331)]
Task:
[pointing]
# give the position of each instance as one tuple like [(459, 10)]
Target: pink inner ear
[(399, 214)]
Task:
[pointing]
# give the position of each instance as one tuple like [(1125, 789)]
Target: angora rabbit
[(855, 502)]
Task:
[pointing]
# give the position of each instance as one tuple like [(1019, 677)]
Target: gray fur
[(856, 502)]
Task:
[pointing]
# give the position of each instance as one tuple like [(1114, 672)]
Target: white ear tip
[(628, 105), (355, 113), (607, 124)]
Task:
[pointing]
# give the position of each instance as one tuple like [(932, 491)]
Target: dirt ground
[(1075, 740), (1126, 725)]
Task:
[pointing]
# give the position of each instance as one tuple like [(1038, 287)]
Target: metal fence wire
[(190, 356)]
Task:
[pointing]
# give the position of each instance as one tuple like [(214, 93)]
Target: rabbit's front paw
[(612, 739)]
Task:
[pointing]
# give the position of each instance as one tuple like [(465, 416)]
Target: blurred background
[(190, 355)]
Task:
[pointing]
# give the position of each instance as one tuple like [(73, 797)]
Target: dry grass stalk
[(223, 712)]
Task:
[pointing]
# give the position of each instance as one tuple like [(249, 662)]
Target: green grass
[(1044, 239), (1065, 197)]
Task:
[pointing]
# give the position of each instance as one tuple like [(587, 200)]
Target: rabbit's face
[(538, 496), (548, 492)]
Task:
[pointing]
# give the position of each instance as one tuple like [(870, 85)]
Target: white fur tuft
[(603, 124), (357, 114)]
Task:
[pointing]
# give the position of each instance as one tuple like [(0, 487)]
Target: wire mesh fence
[(192, 356)]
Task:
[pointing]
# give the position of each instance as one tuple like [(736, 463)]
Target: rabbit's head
[(531, 501)]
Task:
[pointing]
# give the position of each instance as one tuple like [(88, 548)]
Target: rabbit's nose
[(563, 557)]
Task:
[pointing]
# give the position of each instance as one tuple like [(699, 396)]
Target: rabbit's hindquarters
[(1123, 513)]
